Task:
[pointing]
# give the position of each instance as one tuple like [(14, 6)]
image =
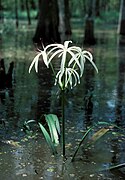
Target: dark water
[(99, 97)]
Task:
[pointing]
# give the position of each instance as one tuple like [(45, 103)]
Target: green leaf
[(118, 166), (83, 138), (26, 126), (30, 121), (48, 138), (109, 124), (54, 127)]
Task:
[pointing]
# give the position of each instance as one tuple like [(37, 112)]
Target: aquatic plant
[(72, 60)]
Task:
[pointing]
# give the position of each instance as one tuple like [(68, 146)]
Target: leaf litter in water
[(99, 134), (12, 143)]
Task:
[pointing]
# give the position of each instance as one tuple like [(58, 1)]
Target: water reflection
[(120, 86), (45, 84), (118, 146), (48, 99), (89, 90)]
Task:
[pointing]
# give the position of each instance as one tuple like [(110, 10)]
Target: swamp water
[(99, 97)]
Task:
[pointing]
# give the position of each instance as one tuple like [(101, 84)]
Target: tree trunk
[(97, 8), (89, 37), (9, 76), (22, 5), (16, 13), (61, 19), (5, 79), (121, 26), (48, 22), (33, 5), (120, 86), (122, 18), (67, 18), (28, 12), (2, 74), (1, 12)]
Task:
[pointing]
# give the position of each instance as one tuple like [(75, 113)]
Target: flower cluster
[(72, 63)]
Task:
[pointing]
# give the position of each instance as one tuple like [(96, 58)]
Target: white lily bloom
[(36, 59), (72, 60)]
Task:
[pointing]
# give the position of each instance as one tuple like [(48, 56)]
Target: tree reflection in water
[(120, 86)]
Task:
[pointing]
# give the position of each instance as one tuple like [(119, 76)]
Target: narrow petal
[(53, 45), (60, 79), (87, 54), (70, 79), (35, 61), (66, 43), (76, 77), (66, 77), (74, 57), (54, 54), (45, 58), (72, 74), (90, 58), (75, 49), (53, 49), (56, 78), (82, 62), (63, 62)]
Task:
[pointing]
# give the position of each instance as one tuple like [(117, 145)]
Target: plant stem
[(63, 122)]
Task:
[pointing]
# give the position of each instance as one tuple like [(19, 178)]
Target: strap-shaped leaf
[(54, 127), (83, 138), (26, 126), (48, 138)]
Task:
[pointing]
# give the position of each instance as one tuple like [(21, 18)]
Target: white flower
[(72, 62)]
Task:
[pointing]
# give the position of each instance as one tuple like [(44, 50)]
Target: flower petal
[(45, 58), (75, 58), (82, 62), (90, 58), (35, 61), (54, 54), (62, 67), (53, 45), (75, 49), (66, 43)]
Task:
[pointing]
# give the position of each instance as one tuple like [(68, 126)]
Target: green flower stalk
[(72, 61)]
